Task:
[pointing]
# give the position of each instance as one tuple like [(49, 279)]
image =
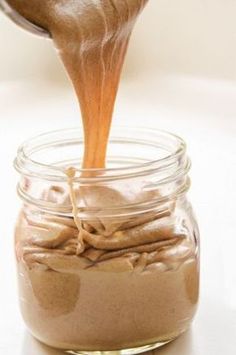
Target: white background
[(180, 75)]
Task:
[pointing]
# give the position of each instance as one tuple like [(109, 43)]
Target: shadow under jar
[(118, 272)]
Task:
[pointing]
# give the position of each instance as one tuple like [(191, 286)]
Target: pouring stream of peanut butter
[(92, 38)]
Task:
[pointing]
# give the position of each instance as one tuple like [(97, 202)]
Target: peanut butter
[(101, 283)]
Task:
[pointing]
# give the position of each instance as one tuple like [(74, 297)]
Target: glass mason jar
[(108, 259)]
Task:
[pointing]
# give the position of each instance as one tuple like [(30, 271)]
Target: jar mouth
[(146, 151)]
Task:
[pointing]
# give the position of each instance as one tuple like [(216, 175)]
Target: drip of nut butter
[(91, 37)]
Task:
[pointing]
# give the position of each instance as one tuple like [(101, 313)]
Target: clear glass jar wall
[(120, 270)]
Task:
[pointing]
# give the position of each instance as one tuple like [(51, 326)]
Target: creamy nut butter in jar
[(108, 259)]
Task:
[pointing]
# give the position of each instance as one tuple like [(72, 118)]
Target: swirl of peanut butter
[(66, 244)]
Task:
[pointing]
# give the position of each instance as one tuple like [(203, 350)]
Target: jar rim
[(28, 166)]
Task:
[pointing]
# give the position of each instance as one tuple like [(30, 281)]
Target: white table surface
[(201, 111)]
